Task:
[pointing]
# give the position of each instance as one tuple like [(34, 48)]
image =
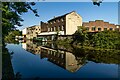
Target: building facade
[(63, 25), (31, 32), (100, 25)]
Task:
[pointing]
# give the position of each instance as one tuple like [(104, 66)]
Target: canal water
[(43, 60)]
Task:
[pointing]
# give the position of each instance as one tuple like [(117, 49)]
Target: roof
[(117, 25), (60, 16), (99, 20), (33, 26)]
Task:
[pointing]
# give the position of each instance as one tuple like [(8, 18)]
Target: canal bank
[(7, 69)]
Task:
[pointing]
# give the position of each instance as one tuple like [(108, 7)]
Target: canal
[(44, 60)]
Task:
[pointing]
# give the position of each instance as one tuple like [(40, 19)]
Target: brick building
[(100, 25), (31, 31), (66, 24)]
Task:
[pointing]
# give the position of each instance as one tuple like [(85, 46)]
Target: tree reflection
[(72, 58), (7, 69)]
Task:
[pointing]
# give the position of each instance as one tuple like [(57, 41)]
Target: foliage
[(11, 18), (11, 36), (11, 14), (107, 39), (80, 36), (98, 56)]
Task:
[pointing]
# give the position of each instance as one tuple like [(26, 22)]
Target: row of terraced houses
[(66, 25)]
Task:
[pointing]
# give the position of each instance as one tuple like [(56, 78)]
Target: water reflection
[(62, 58), (51, 60), (72, 58)]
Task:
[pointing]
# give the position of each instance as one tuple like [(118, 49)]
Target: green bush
[(106, 39)]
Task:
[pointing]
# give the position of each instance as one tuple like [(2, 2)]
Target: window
[(48, 29), (99, 29), (62, 55), (117, 29), (62, 27), (58, 20), (55, 28), (105, 29), (51, 29), (87, 28), (59, 28), (62, 19), (111, 28), (50, 22), (93, 28)]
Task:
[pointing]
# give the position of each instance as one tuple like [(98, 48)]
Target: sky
[(108, 11)]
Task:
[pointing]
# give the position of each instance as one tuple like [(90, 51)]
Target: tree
[(107, 39), (11, 36), (11, 14), (11, 18), (97, 2), (80, 35)]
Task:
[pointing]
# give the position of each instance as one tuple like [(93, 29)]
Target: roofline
[(102, 21), (60, 16)]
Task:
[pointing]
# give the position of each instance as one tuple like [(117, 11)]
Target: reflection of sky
[(30, 65), (108, 11)]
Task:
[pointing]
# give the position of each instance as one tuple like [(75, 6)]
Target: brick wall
[(98, 25)]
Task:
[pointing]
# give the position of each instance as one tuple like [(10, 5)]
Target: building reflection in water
[(62, 58)]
